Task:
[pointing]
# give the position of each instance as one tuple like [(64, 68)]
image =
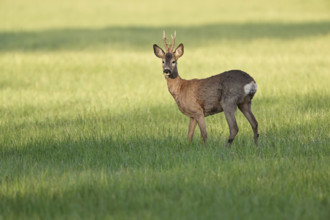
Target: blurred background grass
[(39, 15), (88, 128)]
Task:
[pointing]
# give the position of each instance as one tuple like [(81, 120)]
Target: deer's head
[(170, 57)]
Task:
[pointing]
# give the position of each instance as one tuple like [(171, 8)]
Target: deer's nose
[(168, 71)]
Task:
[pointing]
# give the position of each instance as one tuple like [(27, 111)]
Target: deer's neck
[(174, 85)]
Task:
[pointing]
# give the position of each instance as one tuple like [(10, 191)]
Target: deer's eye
[(173, 62), (163, 61)]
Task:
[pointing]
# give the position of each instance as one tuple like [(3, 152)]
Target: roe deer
[(198, 98)]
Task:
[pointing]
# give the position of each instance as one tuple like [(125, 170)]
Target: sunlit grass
[(88, 128)]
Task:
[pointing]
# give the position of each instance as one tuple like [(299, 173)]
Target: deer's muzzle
[(167, 71)]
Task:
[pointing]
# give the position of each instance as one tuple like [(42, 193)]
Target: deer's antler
[(173, 41), (165, 44)]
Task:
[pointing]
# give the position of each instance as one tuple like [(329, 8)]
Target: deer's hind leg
[(229, 110), (247, 112)]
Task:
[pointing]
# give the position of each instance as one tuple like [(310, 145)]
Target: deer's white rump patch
[(250, 88)]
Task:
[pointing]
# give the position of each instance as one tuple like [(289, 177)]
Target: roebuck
[(198, 98)]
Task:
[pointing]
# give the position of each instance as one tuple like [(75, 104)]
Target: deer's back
[(216, 91)]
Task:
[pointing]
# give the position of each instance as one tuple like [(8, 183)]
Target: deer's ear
[(158, 51), (178, 51)]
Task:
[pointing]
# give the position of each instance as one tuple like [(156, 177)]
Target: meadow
[(88, 129)]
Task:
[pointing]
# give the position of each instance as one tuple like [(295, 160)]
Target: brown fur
[(199, 98)]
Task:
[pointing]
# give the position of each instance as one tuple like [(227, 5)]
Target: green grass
[(88, 129)]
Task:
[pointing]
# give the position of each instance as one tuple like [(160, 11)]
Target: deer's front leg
[(192, 126), (202, 126)]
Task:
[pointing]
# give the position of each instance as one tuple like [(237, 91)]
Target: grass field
[(88, 129)]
